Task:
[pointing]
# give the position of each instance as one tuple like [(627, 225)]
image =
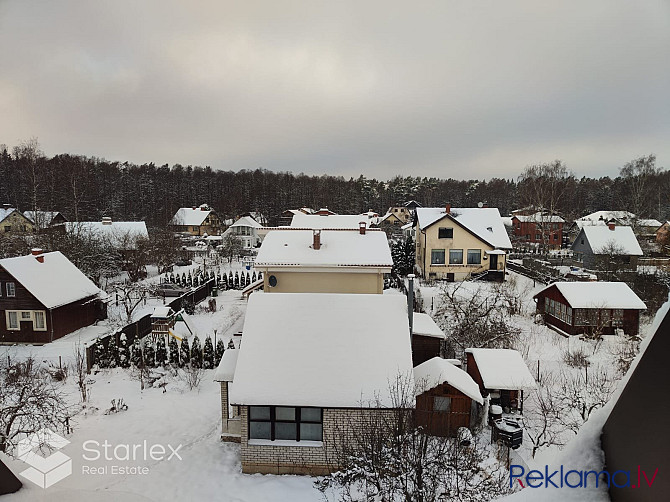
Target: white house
[(246, 229)]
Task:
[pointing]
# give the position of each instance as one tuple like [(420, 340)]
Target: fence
[(142, 327)]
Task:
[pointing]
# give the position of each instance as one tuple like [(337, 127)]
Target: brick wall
[(338, 425)]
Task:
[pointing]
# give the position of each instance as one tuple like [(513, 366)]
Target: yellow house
[(457, 243), (13, 221), (196, 221), (324, 261)]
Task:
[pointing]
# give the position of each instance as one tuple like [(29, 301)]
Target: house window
[(12, 320), (8, 228), (26, 316), (474, 256), (445, 233), (456, 256), (285, 423), (617, 317), (437, 257), (11, 289), (441, 403), (538, 237), (39, 324)]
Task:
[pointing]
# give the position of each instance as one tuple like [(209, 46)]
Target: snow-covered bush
[(196, 353), (208, 354)]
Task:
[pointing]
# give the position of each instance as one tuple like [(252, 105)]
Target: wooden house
[(501, 375), (597, 245), (44, 297), (446, 397), (46, 220), (538, 229), (404, 212), (590, 307), (427, 338), (196, 221)]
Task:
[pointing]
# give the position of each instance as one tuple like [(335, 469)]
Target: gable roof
[(485, 223), (41, 219), (436, 371), (225, 371), (539, 218), (117, 231), (502, 369), (190, 217), (6, 211), (351, 221), (54, 282), (246, 221), (613, 295), (600, 217), (321, 350), (339, 248), (600, 237)]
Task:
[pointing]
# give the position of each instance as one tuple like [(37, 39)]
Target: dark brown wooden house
[(44, 297), (590, 307), (446, 398), (427, 338), (501, 374)]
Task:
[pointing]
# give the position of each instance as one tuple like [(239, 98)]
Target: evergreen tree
[(174, 352), (409, 256), (220, 349), (161, 354), (208, 354), (196, 353), (184, 353), (112, 352), (397, 255), (149, 353), (100, 356), (124, 351), (231, 344), (136, 357)]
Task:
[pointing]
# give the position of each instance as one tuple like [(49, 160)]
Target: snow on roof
[(648, 222), (189, 216), (601, 237), (54, 282), (437, 371), (539, 218), (162, 312), (425, 326), (485, 222), (120, 233), (40, 218), (329, 350), (4, 212), (225, 372), (330, 220), (246, 221), (502, 369), (339, 248), (589, 295), (622, 216)]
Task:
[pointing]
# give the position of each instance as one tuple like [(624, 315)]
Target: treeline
[(87, 188)]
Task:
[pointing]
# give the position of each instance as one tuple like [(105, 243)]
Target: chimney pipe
[(316, 244), (37, 253), (410, 304), (361, 227), (611, 225), (448, 208)]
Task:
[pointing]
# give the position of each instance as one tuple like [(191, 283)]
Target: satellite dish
[(272, 281), (480, 204)]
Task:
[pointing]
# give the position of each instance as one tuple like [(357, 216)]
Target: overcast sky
[(460, 89)]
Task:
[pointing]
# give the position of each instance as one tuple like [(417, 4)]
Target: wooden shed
[(427, 338), (590, 307), (446, 398)]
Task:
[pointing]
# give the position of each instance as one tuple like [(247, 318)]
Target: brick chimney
[(611, 225), (448, 208), (316, 244), (361, 227), (38, 254), (106, 220)]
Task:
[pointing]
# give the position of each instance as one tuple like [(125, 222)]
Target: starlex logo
[(572, 478), (44, 471)]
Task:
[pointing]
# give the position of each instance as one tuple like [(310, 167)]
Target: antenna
[(480, 204)]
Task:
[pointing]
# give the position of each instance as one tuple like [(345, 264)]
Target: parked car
[(167, 289), (182, 262)]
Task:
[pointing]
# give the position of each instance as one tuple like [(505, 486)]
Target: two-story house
[(539, 229), (14, 221), (246, 229), (197, 221), (456, 243)]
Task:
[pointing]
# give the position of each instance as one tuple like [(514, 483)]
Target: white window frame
[(10, 286), (44, 320), (444, 257), (7, 320), (20, 317)]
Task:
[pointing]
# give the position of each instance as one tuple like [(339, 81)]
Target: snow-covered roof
[(190, 217), (162, 312), (42, 219), (437, 371), (54, 282), (339, 248), (502, 369), (225, 372), (539, 218), (120, 233), (608, 215), (601, 237), (589, 295), (4, 212), (330, 220), (485, 222), (328, 350), (648, 222), (425, 326), (246, 221)]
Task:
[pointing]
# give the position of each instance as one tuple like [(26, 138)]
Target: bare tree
[(542, 423), (231, 246), (610, 259), (130, 295), (640, 175), (81, 370), (29, 402)]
